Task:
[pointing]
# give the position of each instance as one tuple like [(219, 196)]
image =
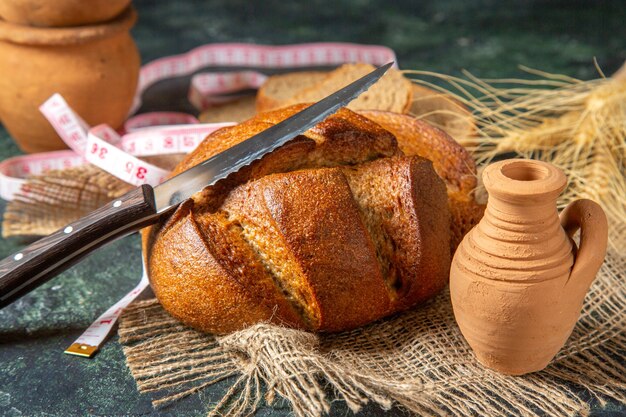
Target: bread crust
[(329, 249), (407, 209), (416, 137)]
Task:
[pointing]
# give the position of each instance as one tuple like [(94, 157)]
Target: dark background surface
[(488, 38)]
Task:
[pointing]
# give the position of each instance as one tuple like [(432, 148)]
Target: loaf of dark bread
[(330, 232)]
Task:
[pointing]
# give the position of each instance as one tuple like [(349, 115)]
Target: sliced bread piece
[(233, 111), (277, 89), (392, 92), (442, 111)]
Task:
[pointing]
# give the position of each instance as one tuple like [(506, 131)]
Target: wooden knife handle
[(24, 271)]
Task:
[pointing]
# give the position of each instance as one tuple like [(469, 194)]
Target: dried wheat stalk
[(579, 126)]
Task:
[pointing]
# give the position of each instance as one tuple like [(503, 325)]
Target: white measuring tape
[(117, 155), (220, 55), (161, 133), (89, 342), (208, 89)]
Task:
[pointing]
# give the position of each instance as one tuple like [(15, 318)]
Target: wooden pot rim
[(47, 36)]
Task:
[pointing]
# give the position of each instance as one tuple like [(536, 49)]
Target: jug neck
[(524, 192), (519, 185), (525, 209)]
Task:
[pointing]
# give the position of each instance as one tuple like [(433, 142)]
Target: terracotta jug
[(94, 67), (517, 280)]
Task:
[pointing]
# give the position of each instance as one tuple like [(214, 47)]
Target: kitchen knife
[(49, 256)]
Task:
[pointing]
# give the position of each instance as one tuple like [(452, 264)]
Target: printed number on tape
[(133, 170)]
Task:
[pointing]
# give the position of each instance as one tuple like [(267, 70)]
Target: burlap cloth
[(418, 361)]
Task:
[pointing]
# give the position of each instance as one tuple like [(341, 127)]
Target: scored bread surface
[(450, 160), (396, 197), (321, 252), (328, 233)]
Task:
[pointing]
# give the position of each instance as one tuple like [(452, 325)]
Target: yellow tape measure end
[(80, 349)]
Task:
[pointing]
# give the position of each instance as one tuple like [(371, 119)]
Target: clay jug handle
[(589, 217)]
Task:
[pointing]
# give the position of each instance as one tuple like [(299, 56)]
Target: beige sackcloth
[(418, 361)]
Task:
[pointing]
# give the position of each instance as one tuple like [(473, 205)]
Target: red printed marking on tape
[(102, 153), (116, 154), (100, 145)]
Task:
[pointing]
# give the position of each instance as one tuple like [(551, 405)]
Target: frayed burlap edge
[(418, 361), (50, 201)]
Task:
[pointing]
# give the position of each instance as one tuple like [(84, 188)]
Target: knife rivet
[(117, 203), (68, 229), (18, 256)]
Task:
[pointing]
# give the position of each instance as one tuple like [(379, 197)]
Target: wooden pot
[(95, 68), (57, 13)]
